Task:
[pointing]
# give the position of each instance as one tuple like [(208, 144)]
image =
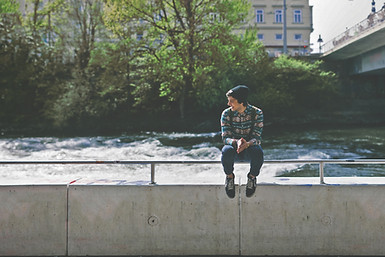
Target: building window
[(297, 36), (278, 36), (297, 16), (259, 17), (278, 16), (260, 36), (214, 17), (243, 17)]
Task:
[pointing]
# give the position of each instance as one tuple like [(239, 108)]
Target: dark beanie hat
[(239, 92)]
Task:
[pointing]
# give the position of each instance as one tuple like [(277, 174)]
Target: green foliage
[(297, 86), (181, 39), (9, 6), (61, 64), (239, 60), (310, 85), (24, 61)]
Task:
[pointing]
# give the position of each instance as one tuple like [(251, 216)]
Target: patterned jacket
[(235, 125)]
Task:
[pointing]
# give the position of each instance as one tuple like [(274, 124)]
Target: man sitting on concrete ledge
[(241, 126)]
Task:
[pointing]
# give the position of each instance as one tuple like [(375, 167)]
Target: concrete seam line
[(67, 218), (240, 217)]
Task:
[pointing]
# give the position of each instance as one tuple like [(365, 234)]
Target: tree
[(297, 86), (182, 39), (242, 60), (83, 25), (79, 25), (23, 62)]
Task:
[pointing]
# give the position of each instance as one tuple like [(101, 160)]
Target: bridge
[(361, 48)]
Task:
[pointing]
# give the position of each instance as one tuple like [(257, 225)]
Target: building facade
[(268, 17)]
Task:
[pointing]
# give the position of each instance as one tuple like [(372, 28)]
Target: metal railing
[(373, 20), (321, 163)]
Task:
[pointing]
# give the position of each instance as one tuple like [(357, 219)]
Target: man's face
[(233, 103)]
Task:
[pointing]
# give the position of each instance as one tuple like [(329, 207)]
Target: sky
[(332, 17)]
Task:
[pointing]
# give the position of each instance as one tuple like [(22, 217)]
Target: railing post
[(152, 173), (321, 172)]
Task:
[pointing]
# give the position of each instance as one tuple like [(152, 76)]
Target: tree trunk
[(182, 102)]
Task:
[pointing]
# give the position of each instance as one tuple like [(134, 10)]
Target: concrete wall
[(314, 220), (33, 220), (192, 220), (145, 220)]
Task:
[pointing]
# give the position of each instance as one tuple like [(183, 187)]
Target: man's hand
[(242, 144)]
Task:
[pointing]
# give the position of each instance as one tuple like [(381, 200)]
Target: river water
[(346, 143)]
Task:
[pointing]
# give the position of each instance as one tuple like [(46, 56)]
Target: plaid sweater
[(241, 125)]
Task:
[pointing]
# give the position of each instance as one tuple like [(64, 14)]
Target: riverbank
[(358, 113)]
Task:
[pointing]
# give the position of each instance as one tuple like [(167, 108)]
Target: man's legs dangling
[(255, 155), (228, 158)]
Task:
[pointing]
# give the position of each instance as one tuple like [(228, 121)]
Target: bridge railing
[(371, 21), (153, 163)]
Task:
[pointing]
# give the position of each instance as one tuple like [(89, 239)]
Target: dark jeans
[(254, 154)]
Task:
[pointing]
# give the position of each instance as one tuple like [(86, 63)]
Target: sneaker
[(251, 185), (230, 186)]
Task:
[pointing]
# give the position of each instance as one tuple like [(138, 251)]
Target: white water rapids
[(324, 144)]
